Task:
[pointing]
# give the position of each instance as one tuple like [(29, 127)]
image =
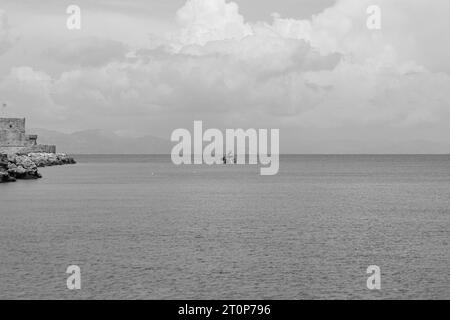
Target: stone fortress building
[(13, 138)]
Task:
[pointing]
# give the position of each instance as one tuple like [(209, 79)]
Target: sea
[(140, 227)]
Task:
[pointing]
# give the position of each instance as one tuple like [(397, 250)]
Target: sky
[(311, 68)]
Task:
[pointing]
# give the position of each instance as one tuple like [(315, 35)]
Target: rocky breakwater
[(14, 167), (50, 159), (18, 166)]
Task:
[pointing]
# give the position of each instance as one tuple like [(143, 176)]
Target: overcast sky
[(308, 67)]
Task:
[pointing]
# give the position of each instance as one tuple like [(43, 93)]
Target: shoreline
[(15, 167)]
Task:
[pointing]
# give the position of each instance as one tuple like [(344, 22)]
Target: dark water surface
[(140, 227)]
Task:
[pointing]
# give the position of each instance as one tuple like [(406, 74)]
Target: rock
[(21, 166), (4, 166), (3, 161), (50, 159), (5, 177)]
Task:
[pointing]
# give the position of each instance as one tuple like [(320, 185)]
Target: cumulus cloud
[(218, 77), (203, 21), (367, 94), (411, 30), (326, 72)]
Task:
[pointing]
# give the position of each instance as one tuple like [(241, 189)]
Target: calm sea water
[(140, 227)]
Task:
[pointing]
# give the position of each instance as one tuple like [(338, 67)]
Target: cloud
[(202, 21), (326, 72), (411, 30), (88, 52), (369, 94), (29, 92)]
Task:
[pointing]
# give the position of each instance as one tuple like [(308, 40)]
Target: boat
[(229, 158)]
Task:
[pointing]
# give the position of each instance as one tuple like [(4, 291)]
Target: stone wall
[(37, 149), (31, 149)]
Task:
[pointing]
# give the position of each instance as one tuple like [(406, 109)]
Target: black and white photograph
[(224, 150)]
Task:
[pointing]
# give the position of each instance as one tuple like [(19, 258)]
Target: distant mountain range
[(102, 142)]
